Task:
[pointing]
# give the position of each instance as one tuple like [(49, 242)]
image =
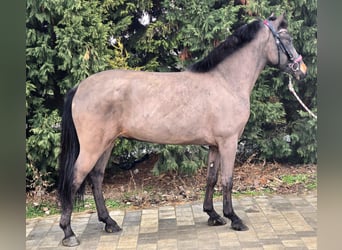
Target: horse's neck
[(241, 70)]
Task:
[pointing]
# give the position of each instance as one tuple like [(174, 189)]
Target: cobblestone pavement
[(275, 222)]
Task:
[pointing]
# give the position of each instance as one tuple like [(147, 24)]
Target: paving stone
[(297, 221), (262, 227), (167, 244), (250, 245), (128, 242), (132, 219), (130, 230), (152, 229), (147, 247), (148, 238), (267, 235), (246, 201), (275, 222), (274, 247), (293, 243), (274, 241), (186, 236), (187, 244), (106, 245), (167, 224), (230, 244), (32, 244), (252, 248), (208, 245), (172, 234), (310, 242)]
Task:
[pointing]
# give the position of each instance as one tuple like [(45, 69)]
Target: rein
[(291, 88)]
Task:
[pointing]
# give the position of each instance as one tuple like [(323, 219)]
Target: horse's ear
[(272, 17), (280, 22)]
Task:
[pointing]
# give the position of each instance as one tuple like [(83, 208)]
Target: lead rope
[(298, 99)]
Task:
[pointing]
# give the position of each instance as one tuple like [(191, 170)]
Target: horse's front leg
[(227, 154), (208, 207)]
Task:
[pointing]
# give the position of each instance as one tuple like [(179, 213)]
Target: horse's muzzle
[(298, 68), (302, 71)]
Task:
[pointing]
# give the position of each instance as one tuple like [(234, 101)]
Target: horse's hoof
[(217, 221), (239, 226), (112, 228), (71, 241)]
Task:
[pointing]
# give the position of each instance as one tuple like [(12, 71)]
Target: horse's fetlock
[(207, 210), (103, 219), (232, 216), (62, 226)]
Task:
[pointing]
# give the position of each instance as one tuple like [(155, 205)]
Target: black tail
[(70, 149)]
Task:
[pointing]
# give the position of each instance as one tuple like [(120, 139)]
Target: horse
[(208, 104)]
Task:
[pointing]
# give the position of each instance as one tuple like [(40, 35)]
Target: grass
[(43, 209), (253, 192), (46, 208), (293, 179), (308, 181), (311, 186), (249, 192)]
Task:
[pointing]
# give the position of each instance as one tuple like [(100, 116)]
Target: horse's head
[(281, 52)]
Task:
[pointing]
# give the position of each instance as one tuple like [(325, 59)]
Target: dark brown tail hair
[(70, 149)]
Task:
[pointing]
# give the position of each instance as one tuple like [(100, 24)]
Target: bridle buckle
[(295, 66)]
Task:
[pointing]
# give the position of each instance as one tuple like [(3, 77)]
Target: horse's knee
[(227, 184), (211, 181)]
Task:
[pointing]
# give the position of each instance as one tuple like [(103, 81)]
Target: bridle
[(294, 62)]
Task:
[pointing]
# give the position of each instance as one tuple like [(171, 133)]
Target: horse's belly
[(169, 133)]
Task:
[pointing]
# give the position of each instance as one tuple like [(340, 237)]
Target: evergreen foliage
[(277, 121), (69, 40), (65, 42)]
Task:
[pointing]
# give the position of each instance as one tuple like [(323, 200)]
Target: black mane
[(237, 40)]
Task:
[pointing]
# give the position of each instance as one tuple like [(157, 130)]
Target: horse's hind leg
[(84, 164), (208, 207), (69, 239), (96, 178)]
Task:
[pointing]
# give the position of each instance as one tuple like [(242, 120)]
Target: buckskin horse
[(208, 104)]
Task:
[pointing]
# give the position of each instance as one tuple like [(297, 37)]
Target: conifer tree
[(69, 40), (66, 41)]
